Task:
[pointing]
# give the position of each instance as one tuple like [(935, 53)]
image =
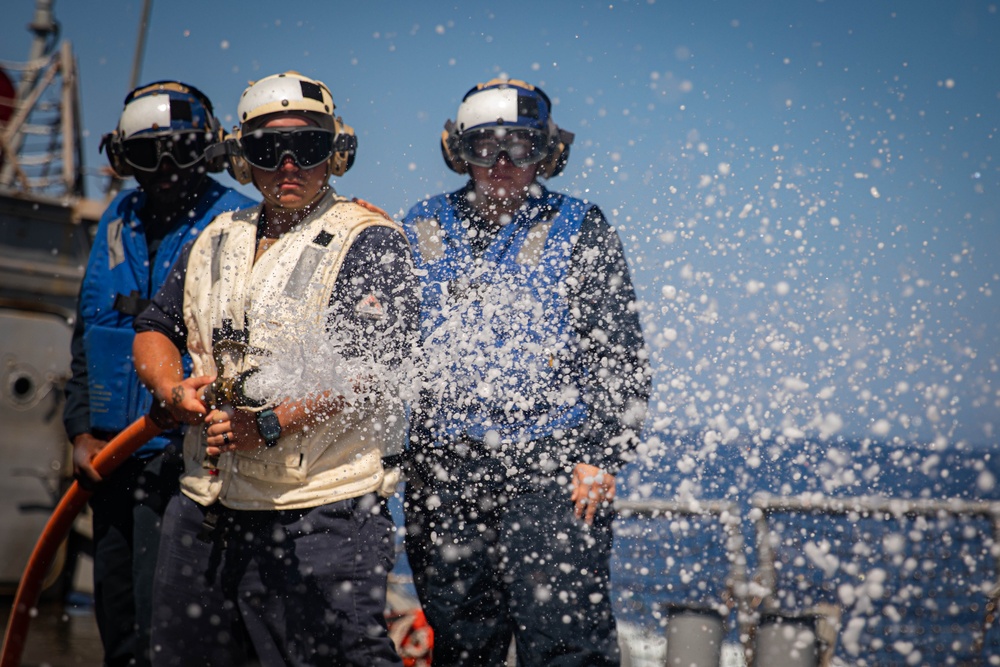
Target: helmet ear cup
[(448, 138), (344, 149), (555, 163), (112, 143), (239, 169), (558, 154), (216, 162), (236, 164)]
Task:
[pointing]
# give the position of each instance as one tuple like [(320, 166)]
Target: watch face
[(268, 425)]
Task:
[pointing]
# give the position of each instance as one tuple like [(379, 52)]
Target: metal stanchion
[(694, 637), (784, 641)]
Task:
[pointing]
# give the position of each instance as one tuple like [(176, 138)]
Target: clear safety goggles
[(308, 146), (483, 147), (145, 153)]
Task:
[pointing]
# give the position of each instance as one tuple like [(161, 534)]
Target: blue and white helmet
[(159, 109), (511, 104), (166, 107)]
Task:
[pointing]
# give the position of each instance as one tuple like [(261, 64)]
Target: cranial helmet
[(511, 104), (283, 93), (160, 109)]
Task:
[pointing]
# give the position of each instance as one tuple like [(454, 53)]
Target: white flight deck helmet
[(512, 104), (163, 109), (280, 93)]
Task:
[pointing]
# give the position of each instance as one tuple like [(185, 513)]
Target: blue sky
[(806, 190)]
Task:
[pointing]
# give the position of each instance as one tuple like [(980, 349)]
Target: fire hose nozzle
[(231, 391)]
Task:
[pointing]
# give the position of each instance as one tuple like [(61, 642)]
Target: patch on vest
[(323, 238), (370, 307)]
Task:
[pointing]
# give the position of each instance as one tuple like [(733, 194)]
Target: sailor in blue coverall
[(535, 393)]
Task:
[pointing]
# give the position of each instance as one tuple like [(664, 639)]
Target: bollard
[(694, 638), (786, 642)]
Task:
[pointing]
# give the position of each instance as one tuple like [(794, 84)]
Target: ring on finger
[(225, 438)]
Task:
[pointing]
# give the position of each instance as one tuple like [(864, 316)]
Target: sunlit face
[(289, 186), (503, 181)]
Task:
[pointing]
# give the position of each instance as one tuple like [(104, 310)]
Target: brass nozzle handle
[(231, 391)]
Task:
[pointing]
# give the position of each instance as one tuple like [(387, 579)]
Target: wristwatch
[(269, 427)]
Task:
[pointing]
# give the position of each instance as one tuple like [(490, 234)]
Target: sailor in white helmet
[(536, 394), (163, 132), (278, 548)]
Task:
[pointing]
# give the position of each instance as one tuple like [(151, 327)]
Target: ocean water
[(887, 551)]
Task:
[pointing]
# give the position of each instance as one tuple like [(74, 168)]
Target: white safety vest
[(339, 458)]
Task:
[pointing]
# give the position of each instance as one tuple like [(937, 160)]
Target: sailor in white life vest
[(281, 540)]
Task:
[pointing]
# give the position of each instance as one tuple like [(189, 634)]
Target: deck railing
[(869, 580)]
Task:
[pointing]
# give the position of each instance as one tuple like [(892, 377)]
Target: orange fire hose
[(114, 453)]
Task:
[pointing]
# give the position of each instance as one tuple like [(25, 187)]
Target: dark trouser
[(128, 509), (492, 565), (292, 587)]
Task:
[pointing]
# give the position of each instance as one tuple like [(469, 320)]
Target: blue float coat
[(104, 394), (503, 321)]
